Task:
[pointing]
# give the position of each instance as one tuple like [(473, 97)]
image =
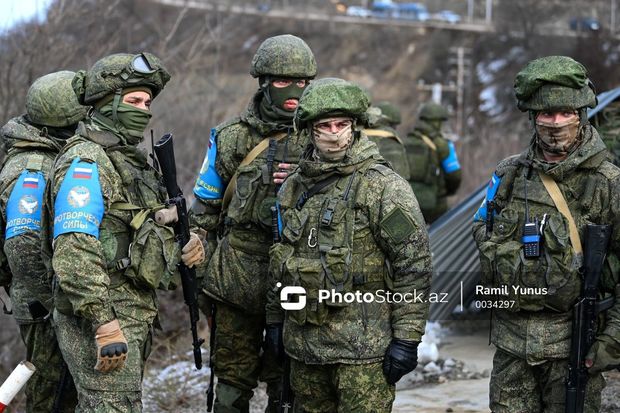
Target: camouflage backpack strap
[(428, 142), (257, 150), (560, 203), (380, 133)]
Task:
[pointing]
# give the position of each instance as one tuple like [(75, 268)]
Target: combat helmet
[(554, 83), (51, 102), (284, 56), (432, 111), (390, 112), (331, 96), (112, 74)]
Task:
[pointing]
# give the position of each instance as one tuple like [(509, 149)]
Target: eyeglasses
[(141, 65)]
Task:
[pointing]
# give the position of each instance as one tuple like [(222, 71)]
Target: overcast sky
[(13, 11)]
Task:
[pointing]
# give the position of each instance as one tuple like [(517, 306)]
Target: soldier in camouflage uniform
[(33, 140), (607, 122), (109, 255), (352, 225), (250, 154), (434, 165), (382, 122), (533, 335)]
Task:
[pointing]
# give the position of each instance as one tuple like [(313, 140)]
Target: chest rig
[(331, 245), (549, 280)]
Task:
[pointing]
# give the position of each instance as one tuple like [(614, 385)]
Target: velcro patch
[(398, 225)]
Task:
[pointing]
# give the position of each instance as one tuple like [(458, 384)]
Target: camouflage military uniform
[(362, 232), (382, 122), (95, 274), (435, 170), (236, 276), (32, 148), (608, 125), (533, 337)]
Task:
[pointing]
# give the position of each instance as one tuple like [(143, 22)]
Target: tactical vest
[(426, 175), (327, 243), (248, 215), (552, 281)]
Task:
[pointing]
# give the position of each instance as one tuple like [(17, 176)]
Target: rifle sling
[(232, 185), (560, 202)]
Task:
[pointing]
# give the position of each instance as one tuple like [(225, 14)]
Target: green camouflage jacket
[(391, 147), (430, 180), (538, 326), (92, 274), (362, 233), (246, 223), (27, 150)]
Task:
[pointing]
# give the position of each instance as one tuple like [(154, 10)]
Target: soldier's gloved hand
[(193, 253), (603, 355), (274, 342), (401, 357), (111, 347)]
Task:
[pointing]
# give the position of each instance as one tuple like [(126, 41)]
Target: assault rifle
[(286, 396), (164, 150), (585, 315)]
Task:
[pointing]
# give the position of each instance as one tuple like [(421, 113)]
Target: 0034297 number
[(494, 304)]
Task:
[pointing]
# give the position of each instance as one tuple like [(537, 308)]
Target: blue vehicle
[(384, 9), (583, 24), (412, 11)]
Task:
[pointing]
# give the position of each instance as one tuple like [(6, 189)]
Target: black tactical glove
[(273, 340), (401, 357)]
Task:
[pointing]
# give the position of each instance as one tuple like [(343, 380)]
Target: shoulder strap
[(429, 142), (315, 189), (262, 145), (379, 133), (560, 202)]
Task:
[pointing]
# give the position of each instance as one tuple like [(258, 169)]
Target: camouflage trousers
[(51, 386), (117, 391), (340, 388), (239, 361), (519, 387)]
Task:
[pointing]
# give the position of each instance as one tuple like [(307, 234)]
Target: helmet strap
[(263, 83), (117, 101)]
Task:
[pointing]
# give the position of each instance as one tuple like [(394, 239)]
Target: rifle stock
[(164, 150)]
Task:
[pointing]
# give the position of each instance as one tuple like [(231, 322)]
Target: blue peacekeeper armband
[(23, 210), (481, 214), (451, 162), (79, 204), (209, 185), (279, 218)]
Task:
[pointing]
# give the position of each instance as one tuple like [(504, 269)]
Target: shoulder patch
[(609, 170), (23, 209), (209, 185), (79, 205), (494, 183), (398, 225)]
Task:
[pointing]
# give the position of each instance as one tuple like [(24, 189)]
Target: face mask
[(279, 95), (132, 120), (332, 146), (558, 137)]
